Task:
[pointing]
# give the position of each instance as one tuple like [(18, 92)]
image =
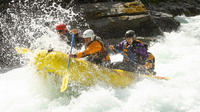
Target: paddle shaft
[(72, 43), (124, 55)]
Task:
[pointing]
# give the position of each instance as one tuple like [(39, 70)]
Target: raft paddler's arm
[(120, 46), (91, 49)]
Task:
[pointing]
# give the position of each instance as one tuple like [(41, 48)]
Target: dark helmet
[(130, 33)]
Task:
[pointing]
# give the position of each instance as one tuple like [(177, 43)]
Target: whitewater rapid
[(177, 57)]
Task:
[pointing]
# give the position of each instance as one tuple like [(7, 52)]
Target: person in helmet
[(94, 50), (133, 51), (149, 63), (66, 35)]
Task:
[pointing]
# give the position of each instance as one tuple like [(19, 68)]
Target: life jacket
[(131, 53), (95, 51), (150, 62)]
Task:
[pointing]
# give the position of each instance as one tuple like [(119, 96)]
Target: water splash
[(31, 24), (177, 57)]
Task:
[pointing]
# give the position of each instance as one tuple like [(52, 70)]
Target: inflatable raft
[(80, 71)]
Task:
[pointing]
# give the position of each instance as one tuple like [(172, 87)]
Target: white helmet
[(88, 34)]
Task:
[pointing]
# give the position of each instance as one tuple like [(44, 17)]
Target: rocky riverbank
[(174, 7), (111, 18)]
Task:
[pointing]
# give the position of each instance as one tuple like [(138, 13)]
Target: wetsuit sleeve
[(120, 45), (94, 47)]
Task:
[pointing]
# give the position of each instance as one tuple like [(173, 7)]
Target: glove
[(50, 50), (72, 55), (111, 47), (74, 31)]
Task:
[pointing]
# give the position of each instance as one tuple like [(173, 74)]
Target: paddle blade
[(159, 77), (22, 50), (156, 77), (64, 83)]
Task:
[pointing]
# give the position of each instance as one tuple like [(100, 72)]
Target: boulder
[(113, 19), (165, 21), (174, 7)]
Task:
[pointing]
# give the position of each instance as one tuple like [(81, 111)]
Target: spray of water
[(31, 24)]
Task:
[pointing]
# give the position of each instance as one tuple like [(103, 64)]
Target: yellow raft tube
[(79, 71)]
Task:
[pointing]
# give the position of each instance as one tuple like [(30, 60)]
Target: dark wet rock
[(113, 19), (165, 21), (174, 7), (4, 4)]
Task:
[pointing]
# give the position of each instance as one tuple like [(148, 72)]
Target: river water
[(177, 57)]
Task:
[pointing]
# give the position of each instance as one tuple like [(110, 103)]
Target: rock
[(113, 19), (110, 20), (165, 21), (174, 7)]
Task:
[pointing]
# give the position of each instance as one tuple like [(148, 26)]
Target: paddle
[(149, 76), (124, 55), (21, 50), (66, 78), (156, 77)]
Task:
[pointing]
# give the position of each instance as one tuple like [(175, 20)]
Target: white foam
[(177, 57)]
